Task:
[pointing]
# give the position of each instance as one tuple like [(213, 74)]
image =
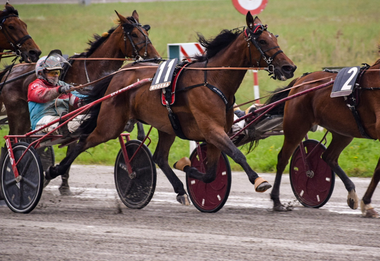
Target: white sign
[(254, 6)]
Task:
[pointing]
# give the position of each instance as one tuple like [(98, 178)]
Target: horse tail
[(96, 92), (278, 94)]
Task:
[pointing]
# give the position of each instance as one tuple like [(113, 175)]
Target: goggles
[(53, 72)]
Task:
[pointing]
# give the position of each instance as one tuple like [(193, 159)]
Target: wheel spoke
[(128, 189), (30, 183), (26, 165), (10, 182)]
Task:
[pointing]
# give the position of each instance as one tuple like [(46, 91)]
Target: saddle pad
[(345, 81), (164, 75), (172, 89)]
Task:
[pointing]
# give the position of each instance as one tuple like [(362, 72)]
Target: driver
[(49, 98)]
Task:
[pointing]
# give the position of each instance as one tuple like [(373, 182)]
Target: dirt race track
[(94, 225)]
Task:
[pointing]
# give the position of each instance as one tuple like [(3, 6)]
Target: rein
[(284, 90)]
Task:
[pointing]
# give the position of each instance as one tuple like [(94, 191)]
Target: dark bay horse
[(317, 108), (202, 113), (15, 37), (128, 39)]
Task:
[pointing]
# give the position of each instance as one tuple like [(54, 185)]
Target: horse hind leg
[(211, 160), (330, 156), (365, 204), (160, 157)]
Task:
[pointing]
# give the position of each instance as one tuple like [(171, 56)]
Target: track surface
[(94, 225)]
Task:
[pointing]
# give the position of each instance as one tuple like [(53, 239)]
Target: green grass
[(314, 34)]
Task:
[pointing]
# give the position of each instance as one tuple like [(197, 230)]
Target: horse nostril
[(34, 55), (289, 68)]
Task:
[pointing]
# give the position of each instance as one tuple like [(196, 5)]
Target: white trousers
[(71, 125)]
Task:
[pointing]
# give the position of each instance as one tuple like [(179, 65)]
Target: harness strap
[(352, 103), (212, 88)]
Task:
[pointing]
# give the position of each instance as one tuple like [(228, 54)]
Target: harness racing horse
[(337, 115), (128, 39), (15, 37), (204, 114)]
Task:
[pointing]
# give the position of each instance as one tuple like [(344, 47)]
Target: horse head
[(136, 42), (267, 53), (14, 35)]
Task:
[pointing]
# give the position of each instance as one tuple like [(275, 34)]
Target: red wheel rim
[(311, 191), (209, 197)]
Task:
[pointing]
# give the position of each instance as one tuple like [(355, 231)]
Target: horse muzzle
[(30, 56), (284, 72)]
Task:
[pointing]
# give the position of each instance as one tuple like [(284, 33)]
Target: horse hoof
[(49, 173), (261, 185), (280, 208), (368, 211), (352, 199), (65, 191), (183, 199), (182, 163), (46, 182)]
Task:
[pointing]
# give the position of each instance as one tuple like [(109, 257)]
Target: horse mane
[(9, 10), (215, 45), (377, 62), (94, 44)]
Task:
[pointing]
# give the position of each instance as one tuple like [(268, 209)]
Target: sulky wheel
[(22, 195), (135, 189), (312, 188), (209, 197)]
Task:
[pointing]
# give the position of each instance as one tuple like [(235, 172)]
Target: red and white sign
[(254, 6), (184, 50)]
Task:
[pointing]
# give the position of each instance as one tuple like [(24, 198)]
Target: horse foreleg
[(160, 157), (365, 203), (282, 161), (210, 164), (330, 156), (64, 189)]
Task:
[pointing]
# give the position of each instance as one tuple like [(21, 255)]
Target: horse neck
[(108, 49), (234, 55), (371, 76)]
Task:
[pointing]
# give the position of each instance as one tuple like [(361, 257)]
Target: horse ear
[(257, 21), (135, 15), (8, 5), (249, 20), (122, 19)]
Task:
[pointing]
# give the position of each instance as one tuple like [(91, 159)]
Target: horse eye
[(262, 42), (134, 35), (11, 27)]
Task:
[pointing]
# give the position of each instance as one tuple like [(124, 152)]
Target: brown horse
[(204, 110), (128, 39), (317, 108), (15, 37)]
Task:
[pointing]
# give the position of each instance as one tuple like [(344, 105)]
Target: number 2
[(346, 85)]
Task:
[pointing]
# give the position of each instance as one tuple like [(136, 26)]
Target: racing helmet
[(53, 61)]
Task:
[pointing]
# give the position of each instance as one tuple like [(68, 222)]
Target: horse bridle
[(252, 36), (127, 34), (15, 44)]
